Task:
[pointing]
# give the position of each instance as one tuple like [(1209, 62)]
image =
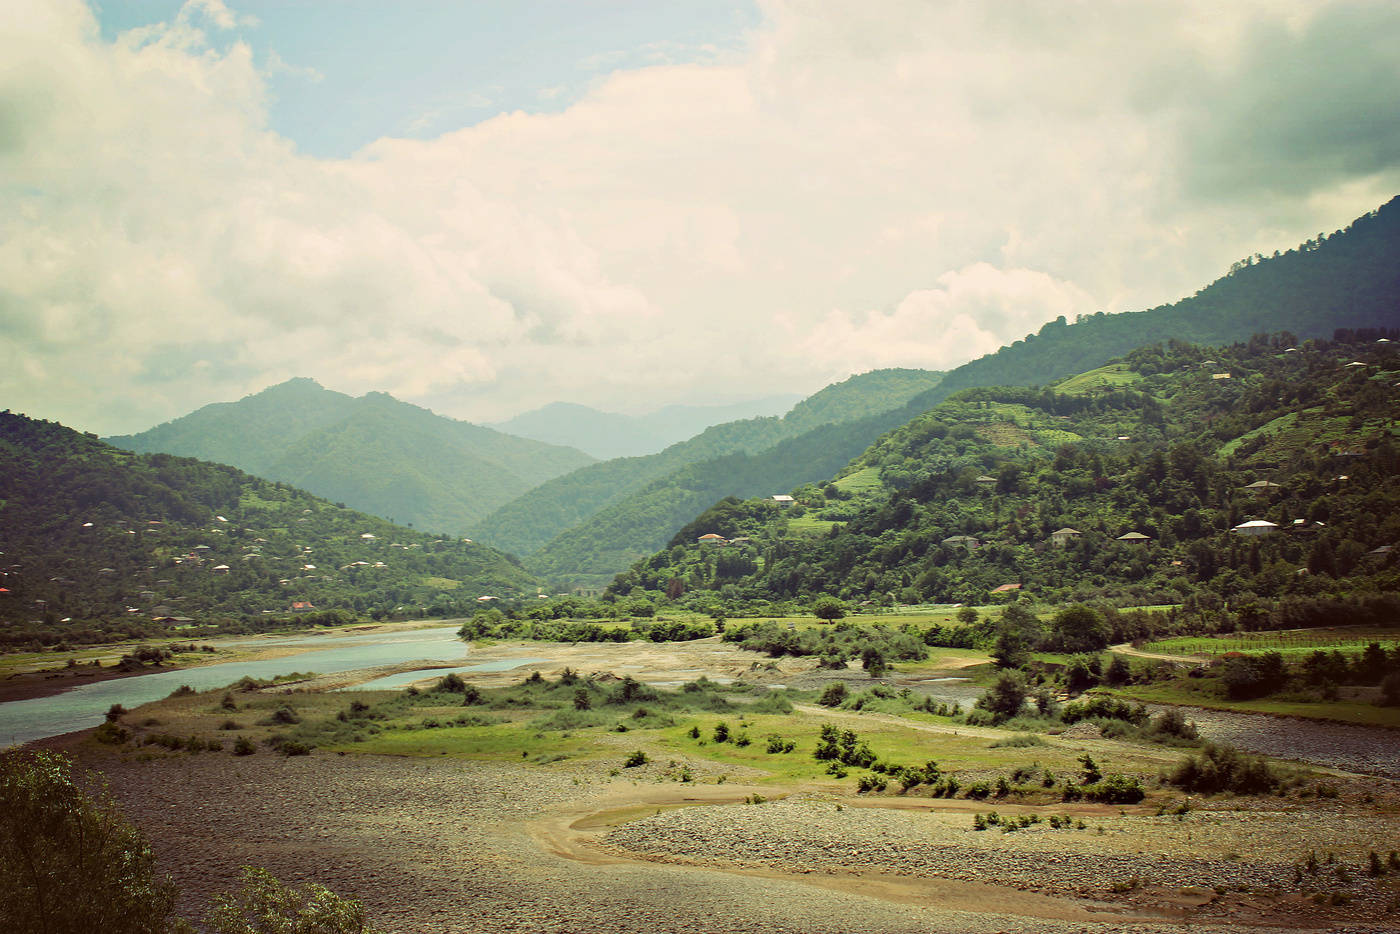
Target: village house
[(782, 499), (961, 541), (1134, 538), (1254, 528), (710, 538), (1064, 536)]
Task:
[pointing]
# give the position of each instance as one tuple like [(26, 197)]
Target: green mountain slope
[(1350, 279), (542, 515), (593, 552), (1161, 448), (375, 453), (110, 539)]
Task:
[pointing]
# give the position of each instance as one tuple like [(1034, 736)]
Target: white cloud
[(912, 184)]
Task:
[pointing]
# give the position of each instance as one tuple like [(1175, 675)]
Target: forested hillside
[(1127, 484), (1348, 279), (374, 452), (528, 524), (98, 538)]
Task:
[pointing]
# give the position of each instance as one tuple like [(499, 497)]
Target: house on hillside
[(1006, 588), (985, 482), (961, 541), (1263, 486), (782, 499), (1064, 536), (1134, 538), (302, 606), (710, 538), (1254, 528)]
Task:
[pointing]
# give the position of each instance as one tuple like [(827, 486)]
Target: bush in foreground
[(69, 862)]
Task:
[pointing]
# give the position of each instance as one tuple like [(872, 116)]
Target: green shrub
[(1017, 741), (834, 694), (69, 862), (266, 906), (637, 758), (1224, 768), (243, 746)]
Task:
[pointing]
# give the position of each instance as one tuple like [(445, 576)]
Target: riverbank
[(34, 675)]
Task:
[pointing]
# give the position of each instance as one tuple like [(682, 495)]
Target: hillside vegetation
[(1347, 279), (536, 519), (966, 499), (99, 540), (374, 452)]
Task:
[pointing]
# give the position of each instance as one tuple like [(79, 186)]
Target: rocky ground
[(436, 846)]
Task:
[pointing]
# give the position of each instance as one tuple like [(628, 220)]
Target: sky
[(489, 206)]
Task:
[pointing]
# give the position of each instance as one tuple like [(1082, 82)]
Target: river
[(86, 705)]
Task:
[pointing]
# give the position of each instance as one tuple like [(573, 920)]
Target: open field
[(1289, 642)]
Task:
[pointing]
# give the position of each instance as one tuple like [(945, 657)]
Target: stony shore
[(434, 846)]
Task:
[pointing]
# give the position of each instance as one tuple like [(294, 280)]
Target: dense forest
[(97, 540), (1347, 279), (1127, 485)]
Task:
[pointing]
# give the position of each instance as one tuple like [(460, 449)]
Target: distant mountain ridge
[(606, 435), (375, 453), (560, 508)]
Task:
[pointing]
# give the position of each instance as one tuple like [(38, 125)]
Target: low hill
[(533, 521), (607, 435), (98, 538), (1128, 484), (374, 452)]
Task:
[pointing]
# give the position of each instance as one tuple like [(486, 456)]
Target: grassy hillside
[(544, 514), (100, 539), (374, 453), (1169, 454)]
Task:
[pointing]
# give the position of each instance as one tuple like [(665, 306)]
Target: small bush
[(834, 695), (776, 744), (115, 713), (243, 746), (183, 690), (282, 715), (1224, 768), (228, 725), (111, 733), (637, 758), (1018, 741), (294, 747), (451, 684)]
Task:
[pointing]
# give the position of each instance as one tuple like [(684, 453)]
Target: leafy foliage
[(69, 862)]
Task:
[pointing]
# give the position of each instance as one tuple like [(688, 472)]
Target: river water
[(86, 705)]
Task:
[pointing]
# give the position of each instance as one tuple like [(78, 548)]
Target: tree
[(266, 906), (828, 608), (1079, 628), (1006, 697), (69, 862)]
